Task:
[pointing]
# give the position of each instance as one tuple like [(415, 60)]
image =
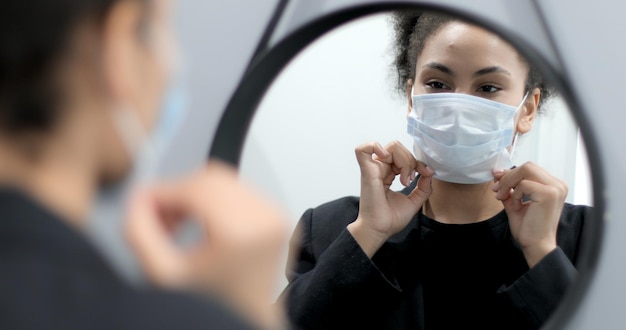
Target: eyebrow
[(481, 72), (491, 69), (440, 67)]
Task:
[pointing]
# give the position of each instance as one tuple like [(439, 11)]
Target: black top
[(51, 277), (429, 276)]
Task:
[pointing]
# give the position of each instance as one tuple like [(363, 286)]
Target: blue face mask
[(462, 137), (147, 151)]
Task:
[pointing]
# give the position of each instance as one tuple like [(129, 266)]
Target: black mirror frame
[(229, 139)]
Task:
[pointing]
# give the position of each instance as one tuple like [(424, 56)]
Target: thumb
[(509, 205), (422, 191)]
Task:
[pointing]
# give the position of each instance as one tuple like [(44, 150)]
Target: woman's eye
[(488, 89), (436, 85)]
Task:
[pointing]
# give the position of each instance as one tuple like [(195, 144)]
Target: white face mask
[(462, 137)]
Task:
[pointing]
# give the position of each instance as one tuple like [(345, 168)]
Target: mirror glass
[(340, 92)]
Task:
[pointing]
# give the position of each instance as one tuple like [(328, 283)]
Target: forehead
[(470, 46)]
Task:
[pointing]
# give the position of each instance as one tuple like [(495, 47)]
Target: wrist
[(534, 253), (369, 240)]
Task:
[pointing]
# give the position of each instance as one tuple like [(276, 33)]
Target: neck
[(461, 203), (57, 177)]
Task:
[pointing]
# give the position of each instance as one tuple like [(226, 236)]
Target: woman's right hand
[(383, 212)]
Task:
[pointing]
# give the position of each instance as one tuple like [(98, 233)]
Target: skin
[(113, 68), (462, 58)]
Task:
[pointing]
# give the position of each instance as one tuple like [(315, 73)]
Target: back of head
[(34, 34)]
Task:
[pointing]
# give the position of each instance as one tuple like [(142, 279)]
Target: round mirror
[(340, 92), (500, 251)]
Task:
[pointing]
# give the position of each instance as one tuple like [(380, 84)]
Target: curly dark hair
[(413, 28)]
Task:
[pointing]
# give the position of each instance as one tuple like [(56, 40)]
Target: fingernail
[(412, 176), (429, 170), (498, 171), (496, 186)]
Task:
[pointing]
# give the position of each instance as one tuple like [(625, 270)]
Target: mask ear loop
[(411, 96), (516, 136), (137, 143), (513, 144)]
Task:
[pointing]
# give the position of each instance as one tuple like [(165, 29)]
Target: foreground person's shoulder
[(158, 309)]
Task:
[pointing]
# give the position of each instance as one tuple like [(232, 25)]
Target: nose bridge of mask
[(461, 118), (462, 110), (460, 135)]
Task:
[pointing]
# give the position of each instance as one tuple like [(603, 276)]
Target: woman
[(80, 80), (472, 242)]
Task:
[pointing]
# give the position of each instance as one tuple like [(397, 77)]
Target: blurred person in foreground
[(83, 90)]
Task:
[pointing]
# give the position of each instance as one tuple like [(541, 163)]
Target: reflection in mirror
[(454, 254)]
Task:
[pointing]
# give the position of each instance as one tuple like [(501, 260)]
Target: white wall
[(337, 94)]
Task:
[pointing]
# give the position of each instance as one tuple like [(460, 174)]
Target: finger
[(171, 198), (365, 152), (557, 190), (528, 171), (534, 192), (388, 180), (149, 239), (508, 203), (497, 174), (171, 219), (422, 191), (190, 197), (525, 193), (423, 169), (503, 195), (402, 159), (169, 214)]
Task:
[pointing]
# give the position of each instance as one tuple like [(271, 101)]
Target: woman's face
[(462, 58)]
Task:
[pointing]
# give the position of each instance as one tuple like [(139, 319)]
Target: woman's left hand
[(533, 200)]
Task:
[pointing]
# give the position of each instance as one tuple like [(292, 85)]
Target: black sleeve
[(340, 286), (536, 293)]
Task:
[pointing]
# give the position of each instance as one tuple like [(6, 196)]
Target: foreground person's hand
[(239, 257)]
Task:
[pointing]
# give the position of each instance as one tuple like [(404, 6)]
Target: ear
[(119, 51), (409, 94), (529, 112)]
